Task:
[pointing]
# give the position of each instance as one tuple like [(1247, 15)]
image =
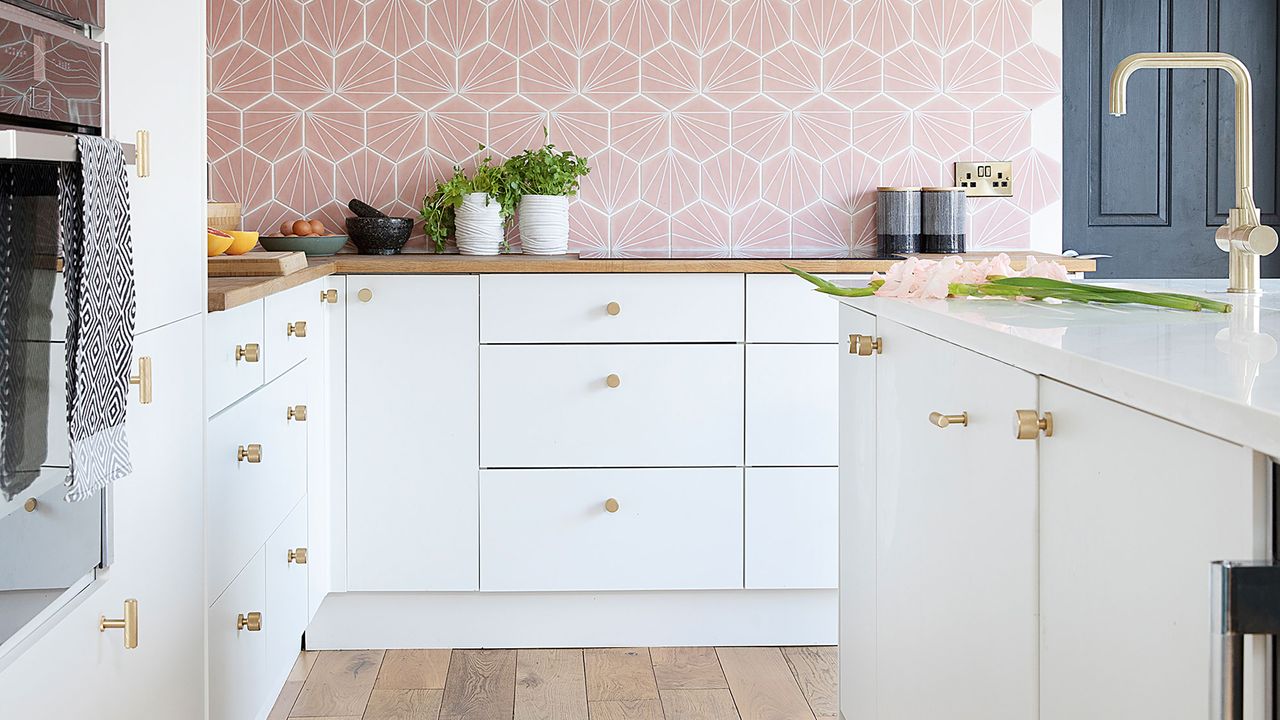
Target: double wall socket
[(987, 178)]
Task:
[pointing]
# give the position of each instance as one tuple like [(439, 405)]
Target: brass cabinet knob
[(251, 622), (143, 380), (298, 329), (128, 623), (1027, 424), (865, 345), (613, 381), (942, 421), (298, 412), (613, 308), (31, 504), (253, 453), (142, 153), (611, 505), (249, 352), (365, 295), (329, 296), (298, 556)]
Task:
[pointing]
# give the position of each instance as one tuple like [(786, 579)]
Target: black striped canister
[(942, 221), (898, 220)]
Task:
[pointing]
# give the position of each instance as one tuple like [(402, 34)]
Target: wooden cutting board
[(257, 264)]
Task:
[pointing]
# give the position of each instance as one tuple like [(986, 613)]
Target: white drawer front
[(552, 405), (286, 595), (291, 326), (792, 409), (237, 658), (550, 529), (247, 500), (576, 308), (783, 308), (57, 541), (792, 527), (226, 378)]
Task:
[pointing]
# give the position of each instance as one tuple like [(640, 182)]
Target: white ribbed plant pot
[(477, 225), (544, 224)]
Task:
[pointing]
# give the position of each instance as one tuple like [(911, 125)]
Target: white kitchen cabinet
[(792, 413), (783, 308), (291, 326), (791, 526), (623, 529), (610, 405), (1134, 508), (611, 308), (72, 670), (286, 565), (955, 563), (234, 354), (237, 651), (412, 432), (168, 209)]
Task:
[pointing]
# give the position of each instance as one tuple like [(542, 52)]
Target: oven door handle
[(16, 144)]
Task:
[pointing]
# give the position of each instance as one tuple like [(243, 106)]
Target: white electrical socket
[(987, 178)]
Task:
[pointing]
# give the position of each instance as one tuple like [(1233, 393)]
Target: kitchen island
[(1031, 496)]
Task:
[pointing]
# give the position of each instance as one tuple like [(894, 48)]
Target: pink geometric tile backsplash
[(715, 128)]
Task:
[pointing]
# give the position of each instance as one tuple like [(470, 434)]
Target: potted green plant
[(545, 178), (474, 207)]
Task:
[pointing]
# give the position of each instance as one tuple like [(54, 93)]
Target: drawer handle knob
[(31, 504), (298, 412), (613, 308), (365, 295), (298, 329), (329, 296), (1027, 424), (298, 556), (942, 421), (613, 381), (865, 345), (128, 623), (248, 352), (253, 453), (251, 622), (611, 505), (143, 380)]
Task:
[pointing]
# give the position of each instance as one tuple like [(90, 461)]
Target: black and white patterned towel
[(93, 200)]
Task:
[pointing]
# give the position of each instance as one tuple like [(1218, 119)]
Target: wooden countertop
[(229, 292)]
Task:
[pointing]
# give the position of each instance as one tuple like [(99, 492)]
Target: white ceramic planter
[(478, 225), (544, 224)]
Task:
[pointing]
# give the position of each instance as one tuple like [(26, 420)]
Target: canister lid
[(897, 189), (942, 189)]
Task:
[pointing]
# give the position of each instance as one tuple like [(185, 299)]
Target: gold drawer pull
[(613, 308), (365, 295), (865, 345), (31, 504), (298, 412), (329, 296), (248, 352), (1027, 424), (611, 505), (142, 153), (251, 622), (942, 421), (298, 556), (128, 623), (143, 380), (613, 381), (253, 453), (298, 329)]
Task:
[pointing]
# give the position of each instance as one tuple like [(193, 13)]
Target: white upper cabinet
[(412, 432), (611, 308), (156, 82), (1134, 509)]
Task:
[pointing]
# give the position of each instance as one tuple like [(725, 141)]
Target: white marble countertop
[(1218, 373)]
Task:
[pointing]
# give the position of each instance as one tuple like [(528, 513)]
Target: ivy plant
[(547, 171)]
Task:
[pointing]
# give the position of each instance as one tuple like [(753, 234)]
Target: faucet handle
[(1248, 239)]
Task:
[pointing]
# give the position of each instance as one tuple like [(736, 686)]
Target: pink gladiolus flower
[(919, 278)]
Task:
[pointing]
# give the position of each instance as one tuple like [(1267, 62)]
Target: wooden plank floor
[(732, 683)]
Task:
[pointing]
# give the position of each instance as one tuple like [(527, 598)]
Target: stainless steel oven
[(51, 90)]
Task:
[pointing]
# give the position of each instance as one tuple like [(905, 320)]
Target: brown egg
[(317, 227), (286, 228), (301, 227)]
